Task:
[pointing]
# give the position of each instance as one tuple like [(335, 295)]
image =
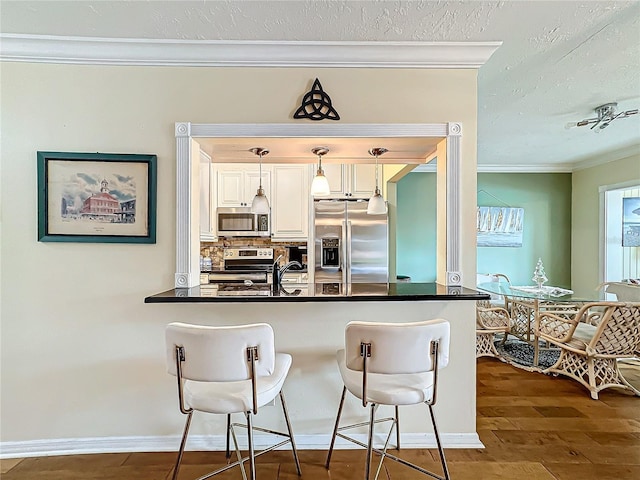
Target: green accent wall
[(416, 227), (546, 199)]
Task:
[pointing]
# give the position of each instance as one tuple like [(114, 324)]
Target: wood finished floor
[(534, 427)]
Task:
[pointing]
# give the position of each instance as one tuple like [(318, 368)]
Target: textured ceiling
[(559, 59)]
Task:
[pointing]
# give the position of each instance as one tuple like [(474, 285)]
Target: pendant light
[(260, 203), (320, 184), (377, 205)]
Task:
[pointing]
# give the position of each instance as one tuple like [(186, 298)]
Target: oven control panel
[(248, 253)]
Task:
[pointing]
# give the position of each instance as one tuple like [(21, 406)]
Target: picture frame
[(96, 197), (499, 226), (631, 221)]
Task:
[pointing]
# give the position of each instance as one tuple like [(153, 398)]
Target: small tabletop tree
[(538, 274)]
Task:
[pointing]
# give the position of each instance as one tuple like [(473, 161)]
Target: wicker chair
[(624, 291), (491, 317), (589, 353)]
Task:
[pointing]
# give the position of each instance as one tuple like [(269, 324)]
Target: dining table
[(526, 304)]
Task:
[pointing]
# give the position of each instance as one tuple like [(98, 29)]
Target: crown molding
[(497, 168), (224, 53), (612, 156), (589, 162), (537, 168)]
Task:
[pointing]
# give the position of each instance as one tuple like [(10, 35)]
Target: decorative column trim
[(184, 277), (454, 233)]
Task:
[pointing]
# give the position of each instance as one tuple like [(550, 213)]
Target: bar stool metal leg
[(440, 450), (187, 424), (252, 458), (228, 452), (397, 429), (335, 428), (293, 443), (372, 418), (238, 454)]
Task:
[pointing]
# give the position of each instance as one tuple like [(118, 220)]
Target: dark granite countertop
[(240, 270), (318, 292)]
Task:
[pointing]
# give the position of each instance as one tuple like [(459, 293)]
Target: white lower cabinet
[(292, 281), (290, 202), (294, 278)]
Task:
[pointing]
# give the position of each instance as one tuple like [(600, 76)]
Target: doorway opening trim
[(187, 272)]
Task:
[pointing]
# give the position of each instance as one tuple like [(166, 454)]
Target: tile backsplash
[(215, 250)]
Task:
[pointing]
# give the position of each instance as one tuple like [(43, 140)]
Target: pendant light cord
[(377, 189)]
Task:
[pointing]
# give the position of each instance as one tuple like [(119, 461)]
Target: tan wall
[(82, 355), (585, 244)]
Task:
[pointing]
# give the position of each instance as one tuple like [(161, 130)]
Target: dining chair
[(393, 364), (492, 317), (590, 353), (227, 370), (489, 322), (624, 291)]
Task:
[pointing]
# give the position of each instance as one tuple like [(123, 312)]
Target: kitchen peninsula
[(309, 322), (318, 292)]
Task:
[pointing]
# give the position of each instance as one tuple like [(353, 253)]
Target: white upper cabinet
[(237, 184), (362, 179), (207, 199), (356, 180), (290, 202), (337, 178)]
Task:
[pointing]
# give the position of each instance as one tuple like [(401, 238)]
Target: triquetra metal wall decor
[(316, 105)]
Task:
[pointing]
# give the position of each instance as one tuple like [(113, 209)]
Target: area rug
[(520, 354)]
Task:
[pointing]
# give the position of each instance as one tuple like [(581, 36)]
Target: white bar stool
[(392, 364), (227, 370)]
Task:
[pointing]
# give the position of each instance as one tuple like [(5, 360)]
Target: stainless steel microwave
[(240, 222)]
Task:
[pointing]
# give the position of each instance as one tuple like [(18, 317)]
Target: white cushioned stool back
[(219, 354), (397, 348)]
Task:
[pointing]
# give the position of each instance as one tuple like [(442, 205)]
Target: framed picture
[(631, 221), (96, 197), (500, 226)]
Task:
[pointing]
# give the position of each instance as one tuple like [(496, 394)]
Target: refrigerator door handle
[(348, 248), (344, 265)]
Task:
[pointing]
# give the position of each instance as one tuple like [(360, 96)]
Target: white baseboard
[(170, 443)]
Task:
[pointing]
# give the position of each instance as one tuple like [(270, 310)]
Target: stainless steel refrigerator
[(350, 245)]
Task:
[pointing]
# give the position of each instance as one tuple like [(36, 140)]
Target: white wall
[(82, 356)]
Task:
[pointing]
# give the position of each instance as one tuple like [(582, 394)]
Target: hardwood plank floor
[(534, 427)]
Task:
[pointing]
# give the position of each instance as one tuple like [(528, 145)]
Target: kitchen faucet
[(278, 273)]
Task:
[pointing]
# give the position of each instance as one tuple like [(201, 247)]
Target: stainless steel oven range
[(245, 265)]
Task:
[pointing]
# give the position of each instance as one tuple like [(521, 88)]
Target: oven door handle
[(257, 277)]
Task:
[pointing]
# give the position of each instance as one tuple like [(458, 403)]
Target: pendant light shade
[(260, 204), (377, 204), (320, 184)]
